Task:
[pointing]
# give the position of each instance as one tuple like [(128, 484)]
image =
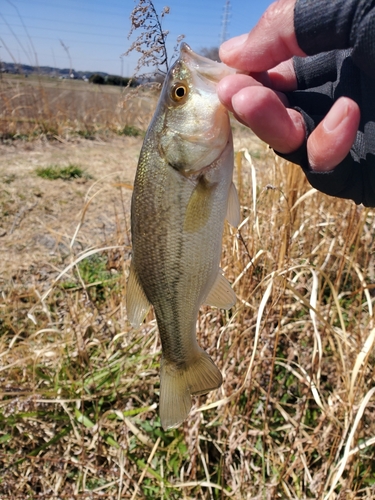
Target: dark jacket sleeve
[(322, 26), (342, 35)]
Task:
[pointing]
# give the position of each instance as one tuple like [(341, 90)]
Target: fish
[(183, 192)]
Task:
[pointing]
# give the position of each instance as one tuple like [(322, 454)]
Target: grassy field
[(54, 108), (79, 387)]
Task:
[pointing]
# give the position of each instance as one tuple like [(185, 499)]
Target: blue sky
[(95, 31)]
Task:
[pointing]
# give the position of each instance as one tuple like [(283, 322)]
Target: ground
[(79, 388), (39, 216)]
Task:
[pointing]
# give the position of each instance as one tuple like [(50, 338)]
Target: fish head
[(195, 125)]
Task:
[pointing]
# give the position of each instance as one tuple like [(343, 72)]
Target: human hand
[(257, 98)]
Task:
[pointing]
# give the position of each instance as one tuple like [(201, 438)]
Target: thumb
[(333, 138)]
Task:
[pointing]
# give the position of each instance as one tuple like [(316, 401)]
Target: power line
[(182, 10), (64, 7), (65, 31), (103, 59), (64, 22), (55, 39), (59, 13)]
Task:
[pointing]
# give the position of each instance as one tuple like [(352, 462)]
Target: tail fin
[(178, 384)]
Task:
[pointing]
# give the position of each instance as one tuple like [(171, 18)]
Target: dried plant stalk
[(151, 42)]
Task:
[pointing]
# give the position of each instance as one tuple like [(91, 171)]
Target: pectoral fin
[(137, 304), (221, 294), (233, 208), (199, 207)]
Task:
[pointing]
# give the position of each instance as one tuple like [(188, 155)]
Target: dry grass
[(61, 109), (295, 415)]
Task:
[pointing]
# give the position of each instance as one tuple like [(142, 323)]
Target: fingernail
[(234, 43), (336, 115)]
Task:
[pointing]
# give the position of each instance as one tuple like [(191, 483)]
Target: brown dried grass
[(42, 106), (294, 417)]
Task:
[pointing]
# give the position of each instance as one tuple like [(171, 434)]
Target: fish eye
[(179, 91)]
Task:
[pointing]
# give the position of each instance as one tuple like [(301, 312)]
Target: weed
[(86, 134), (8, 179), (151, 42), (94, 272), (130, 131), (54, 172)]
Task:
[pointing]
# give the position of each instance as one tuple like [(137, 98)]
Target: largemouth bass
[(183, 192)]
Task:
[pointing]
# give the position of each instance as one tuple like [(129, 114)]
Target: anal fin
[(221, 294), (137, 304)]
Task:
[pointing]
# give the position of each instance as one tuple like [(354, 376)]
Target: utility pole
[(122, 71), (70, 59), (225, 22)]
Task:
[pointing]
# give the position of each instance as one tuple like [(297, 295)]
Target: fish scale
[(182, 192)]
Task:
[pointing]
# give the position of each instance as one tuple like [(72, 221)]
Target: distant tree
[(211, 53), (113, 80), (95, 78), (119, 80)]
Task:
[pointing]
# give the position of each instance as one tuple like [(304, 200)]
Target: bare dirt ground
[(38, 217)]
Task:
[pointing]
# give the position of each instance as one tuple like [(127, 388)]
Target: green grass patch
[(130, 131), (66, 173), (86, 134), (95, 273)]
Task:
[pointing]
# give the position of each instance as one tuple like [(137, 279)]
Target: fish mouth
[(211, 71)]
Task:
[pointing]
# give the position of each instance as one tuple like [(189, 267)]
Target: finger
[(231, 85), (272, 41), (333, 138), (263, 111), (283, 77)]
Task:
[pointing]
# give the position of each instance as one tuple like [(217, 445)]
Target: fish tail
[(177, 385)]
